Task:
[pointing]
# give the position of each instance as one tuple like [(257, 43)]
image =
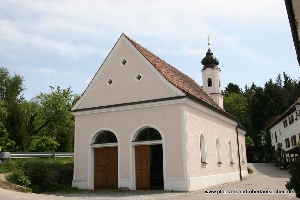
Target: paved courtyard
[(266, 178)]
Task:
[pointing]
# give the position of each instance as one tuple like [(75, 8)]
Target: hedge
[(48, 176)]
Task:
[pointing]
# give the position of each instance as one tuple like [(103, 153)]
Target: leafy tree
[(43, 144), (15, 125), (49, 115), (267, 146), (249, 140), (3, 116), (10, 86), (237, 105), (7, 144), (232, 88)]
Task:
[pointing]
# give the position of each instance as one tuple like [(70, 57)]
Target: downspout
[(238, 144)]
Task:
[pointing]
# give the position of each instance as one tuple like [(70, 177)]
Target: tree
[(43, 144), (50, 115), (236, 104), (3, 116), (10, 86), (6, 144), (232, 88)]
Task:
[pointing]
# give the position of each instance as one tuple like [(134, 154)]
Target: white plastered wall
[(124, 124), (200, 120)]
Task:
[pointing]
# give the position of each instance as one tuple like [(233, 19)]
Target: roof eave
[(214, 108), (291, 16)]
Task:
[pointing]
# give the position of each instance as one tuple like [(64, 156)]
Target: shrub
[(19, 178), (47, 175), (294, 182), (250, 171)]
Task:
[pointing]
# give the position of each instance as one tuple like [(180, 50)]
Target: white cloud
[(102, 19)]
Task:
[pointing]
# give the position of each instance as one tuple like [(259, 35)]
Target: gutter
[(238, 145)]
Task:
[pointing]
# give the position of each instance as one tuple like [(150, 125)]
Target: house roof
[(287, 112), (175, 77), (292, 15)]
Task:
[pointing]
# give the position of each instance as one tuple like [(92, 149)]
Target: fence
[(11, 155)]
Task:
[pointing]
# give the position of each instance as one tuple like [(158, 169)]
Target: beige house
[(143, 124)]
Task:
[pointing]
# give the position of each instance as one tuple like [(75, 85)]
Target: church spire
[(211, 76)]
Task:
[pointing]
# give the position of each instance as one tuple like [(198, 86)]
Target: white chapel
[(144, 125)]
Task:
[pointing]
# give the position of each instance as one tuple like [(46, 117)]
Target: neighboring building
[(143, 124), (293, 11), (285, 132)]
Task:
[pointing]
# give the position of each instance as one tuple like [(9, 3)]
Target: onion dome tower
[(211, 76)]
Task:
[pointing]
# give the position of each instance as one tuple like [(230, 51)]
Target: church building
[(142, 124)]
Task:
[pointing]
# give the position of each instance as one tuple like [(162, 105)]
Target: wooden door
[(106, 167), (112, 167), (142, 167)]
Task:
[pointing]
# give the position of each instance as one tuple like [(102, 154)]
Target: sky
[(64, 42)]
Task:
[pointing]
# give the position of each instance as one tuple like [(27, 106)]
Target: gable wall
[(125, 87)]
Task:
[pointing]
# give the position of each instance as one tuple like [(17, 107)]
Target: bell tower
[(211, 76)]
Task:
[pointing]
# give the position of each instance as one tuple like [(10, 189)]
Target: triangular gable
[(125, 86)]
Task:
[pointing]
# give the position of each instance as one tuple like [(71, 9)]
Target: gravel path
[(266, 177)]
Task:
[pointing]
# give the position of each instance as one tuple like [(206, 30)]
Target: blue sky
[(63, 43)]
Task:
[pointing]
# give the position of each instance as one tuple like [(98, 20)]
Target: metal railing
[(11, 155)]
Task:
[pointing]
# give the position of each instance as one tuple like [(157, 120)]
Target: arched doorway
[(105, 161), (149, 160)]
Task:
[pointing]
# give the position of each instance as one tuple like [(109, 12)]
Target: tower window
[(209, 82)]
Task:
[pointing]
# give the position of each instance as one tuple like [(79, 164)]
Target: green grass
[(250, 171)]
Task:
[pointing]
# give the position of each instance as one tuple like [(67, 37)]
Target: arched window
[(105, 137), (148, 134), (230, 152), (242, 152), (218, 148), (209, 82), (202, 149)]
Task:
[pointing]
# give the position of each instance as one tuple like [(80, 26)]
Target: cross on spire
[(208, 43)]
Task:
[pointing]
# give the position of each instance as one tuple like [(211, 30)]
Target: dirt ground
[(9, 186)]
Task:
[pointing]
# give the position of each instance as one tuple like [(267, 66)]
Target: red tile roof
[(175, 77)]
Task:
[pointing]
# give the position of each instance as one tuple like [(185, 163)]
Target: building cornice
[(130, 106)]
